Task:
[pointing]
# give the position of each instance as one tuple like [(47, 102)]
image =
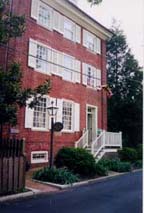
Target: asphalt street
[(122, 194)]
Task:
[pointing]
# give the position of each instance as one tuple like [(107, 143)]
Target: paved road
[(121, 194)]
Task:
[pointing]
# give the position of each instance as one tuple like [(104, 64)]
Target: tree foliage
[(12, 93), (10, 25), (93, 2), (125, 79)]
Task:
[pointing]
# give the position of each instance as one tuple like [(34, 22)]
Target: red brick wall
[(36, 140)]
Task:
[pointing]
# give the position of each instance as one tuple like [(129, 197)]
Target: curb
[(16, 196), (100, 179), (62, 187)]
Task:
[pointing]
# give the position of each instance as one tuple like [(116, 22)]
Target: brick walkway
[(38, 186)]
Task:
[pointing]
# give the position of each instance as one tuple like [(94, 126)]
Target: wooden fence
[(12, 166)]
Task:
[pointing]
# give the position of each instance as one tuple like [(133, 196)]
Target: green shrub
[(76, 160), (139, 151), (137, 164), (115, 165), (105, 163), (60, 176), (119, 166), (128, 154), (101, 169)]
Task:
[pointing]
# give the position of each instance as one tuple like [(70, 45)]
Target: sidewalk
[(34, 188), (38, 187)]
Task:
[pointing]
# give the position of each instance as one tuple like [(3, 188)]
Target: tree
[(12, 94), (93, 2), (125, 79)]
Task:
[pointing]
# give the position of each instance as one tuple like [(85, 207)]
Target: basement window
[(39, 157)]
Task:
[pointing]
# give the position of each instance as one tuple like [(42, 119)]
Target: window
[(39, 157), (67, 113), (40, 114), (43, 58), (69, 29), (45, 15), (68, 72), (91, 42), (41, 61), (90, 77)]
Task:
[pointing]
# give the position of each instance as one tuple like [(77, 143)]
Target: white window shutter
[(60, 63), (95, 77), (78, 34), (49, 60), (95, 44), (51, 19), (84, 74), (54, 62), (85, 38), (29, 115), (60, 109), (77, 71), (34, 9), (76, 117), (32, 53), (98, 46), (58, 23), (61, 24)]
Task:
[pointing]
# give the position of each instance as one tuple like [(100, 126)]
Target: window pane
[(67, 115), (39, 119), (44, 15), (68, 30)]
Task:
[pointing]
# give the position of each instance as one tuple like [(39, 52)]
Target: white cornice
[(78, 16)]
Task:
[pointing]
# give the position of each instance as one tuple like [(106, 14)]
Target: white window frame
[(90, 42), (50, 11), (72, 25), (41, 160), (72, 116), (68, 68), (46, 128)]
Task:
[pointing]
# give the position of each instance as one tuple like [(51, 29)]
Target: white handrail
[(98, 144), (83, 141)]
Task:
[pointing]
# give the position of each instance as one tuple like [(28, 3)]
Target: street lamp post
[(52, 111)]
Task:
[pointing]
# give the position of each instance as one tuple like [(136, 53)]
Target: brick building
[(63, 44)]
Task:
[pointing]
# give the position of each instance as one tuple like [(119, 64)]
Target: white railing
[(113, 139), (83, 141), (106, 139), (98, 144)]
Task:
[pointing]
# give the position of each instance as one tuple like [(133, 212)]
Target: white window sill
[(67, 131), (44, 26), (39, 129)]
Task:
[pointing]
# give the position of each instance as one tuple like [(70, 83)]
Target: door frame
[(95, 121)]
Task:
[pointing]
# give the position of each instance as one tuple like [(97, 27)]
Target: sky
[(128, 13)]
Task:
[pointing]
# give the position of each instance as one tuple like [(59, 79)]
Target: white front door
[(91, 123)]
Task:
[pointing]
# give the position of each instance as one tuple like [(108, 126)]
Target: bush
[(137, 164), (139, 151), (119, 166), (101, 169), (76, 160), (128, 154), (105, 163), (115, 165), (60, 176)]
